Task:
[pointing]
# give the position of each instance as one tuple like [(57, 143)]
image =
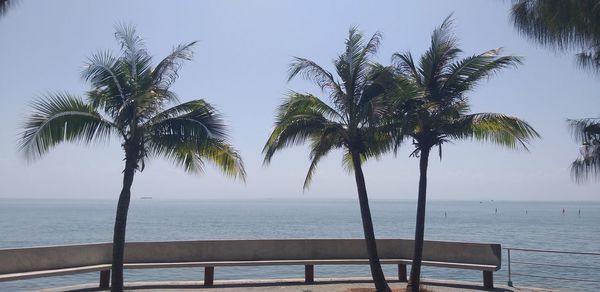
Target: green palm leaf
[(322, 143), (464, 75), (196, 117), (499, 129), (60, 118)]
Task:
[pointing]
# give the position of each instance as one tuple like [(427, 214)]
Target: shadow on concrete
[(281, 283), (180, 285)]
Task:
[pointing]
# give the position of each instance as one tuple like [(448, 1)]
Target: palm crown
[(351, 117), (439, 111), (128, 99)]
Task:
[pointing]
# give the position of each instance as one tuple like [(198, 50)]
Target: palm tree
[(586, 132), (562, 25), (349, 119), (128, 100), (440, 112)]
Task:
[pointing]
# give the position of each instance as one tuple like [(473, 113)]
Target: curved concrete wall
[(20, 260), (56, 257)]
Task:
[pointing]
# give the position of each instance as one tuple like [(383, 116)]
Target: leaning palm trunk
[(118, 252), (415, 271), (365, 213)]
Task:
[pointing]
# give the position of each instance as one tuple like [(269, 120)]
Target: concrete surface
[(296, 285)]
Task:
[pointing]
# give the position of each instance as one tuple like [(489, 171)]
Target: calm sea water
[(538, 225)]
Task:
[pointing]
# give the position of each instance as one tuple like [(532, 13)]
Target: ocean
[(534, 225)]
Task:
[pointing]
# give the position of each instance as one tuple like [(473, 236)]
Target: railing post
[(488, 280), (402, 273), (105, 279), (309, 273), (209, 276), (510, 283)]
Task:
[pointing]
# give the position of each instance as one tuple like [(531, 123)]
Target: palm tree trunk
[(376, 271), (118, 250), (415, 271)]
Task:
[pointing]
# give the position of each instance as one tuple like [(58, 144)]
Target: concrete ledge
[(307, 262), (23, 263), (54, 272)]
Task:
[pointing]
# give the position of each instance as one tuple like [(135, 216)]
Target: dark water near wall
[(537, 225)]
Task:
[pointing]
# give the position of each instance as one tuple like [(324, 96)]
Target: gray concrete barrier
[(23, 263)]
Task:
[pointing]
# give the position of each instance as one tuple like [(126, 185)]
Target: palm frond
[(58, 118), (321, 145), (181, 150), (362, 67), (299, 117), (196, 120), (562, 25), (442, 51), (150, 102), (133, 48), (499, 129), (347, 162), (589, 59), (307, 103), (102, 70), (465, 74), (295, 130), (585, 130), (180, 109), (187, 143), (310, 70), (166, 72), (224, 157), (405, 66), (585, 169)]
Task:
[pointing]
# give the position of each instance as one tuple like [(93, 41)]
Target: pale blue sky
[(240, 66)]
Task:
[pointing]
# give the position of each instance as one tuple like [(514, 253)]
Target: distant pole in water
[(445, 214), (525, 211), (580, 212), (563, 212), (496, 211)]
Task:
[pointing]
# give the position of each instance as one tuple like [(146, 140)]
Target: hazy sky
[(240, 66)]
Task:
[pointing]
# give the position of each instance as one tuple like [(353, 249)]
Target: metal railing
[(556, 265)]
